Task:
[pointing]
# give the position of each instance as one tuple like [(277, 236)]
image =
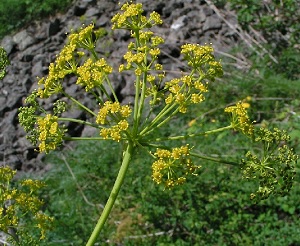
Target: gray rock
[(180, 22), (2, 103), (54, 27), (8, 44), (102, 21), (23, 39), (37, 69), (212, 22), (41, 31), (92, 12)]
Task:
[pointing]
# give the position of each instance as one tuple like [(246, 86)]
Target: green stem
[(80, 122), (136, 103), (83, 138), (142, 97), (195, 134), (113, 195), (80, 105), (161, 114), (163, 122), (137, 90), (111, 88)]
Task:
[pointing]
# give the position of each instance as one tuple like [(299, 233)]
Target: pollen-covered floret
[(201, 58), (91, 74), (132, 17), (185, 91), (113, 114), (67, 60), (172, 166), (50, 134), (240, 119)]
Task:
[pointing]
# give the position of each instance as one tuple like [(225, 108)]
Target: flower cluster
[(185, 91), (50, 134), (189, 89), (138, 55), (201, 59), (275, 169), (91, 74), (16, 204), (132, 17), (240, 119), (172, 167), (142, 58), (113, 112), (68, 59), (27, 117), (44, 130)]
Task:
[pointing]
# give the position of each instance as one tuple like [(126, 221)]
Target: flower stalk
[(113, 195)]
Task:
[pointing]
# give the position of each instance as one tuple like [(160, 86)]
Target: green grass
[(15, 14), (212, 208)]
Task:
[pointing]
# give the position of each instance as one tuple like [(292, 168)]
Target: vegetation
[(275, 26), (212, 208), (25, 11)]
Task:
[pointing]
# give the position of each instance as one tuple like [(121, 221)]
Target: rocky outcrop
[(32, 49)]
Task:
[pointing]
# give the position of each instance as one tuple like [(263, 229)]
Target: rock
[(79, 10), (92, 12), (180, 22), (8, 44), (23, 40), (2, 103), (42, 32), (26, 83), (212, 22), (37, 69), (54, 27), (102, 21)]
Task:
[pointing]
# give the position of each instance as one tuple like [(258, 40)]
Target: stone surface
[(212, 22), (23, 39), (31, 50)]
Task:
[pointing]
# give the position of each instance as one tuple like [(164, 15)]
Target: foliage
[(25, 11), (4, 62), (278, 21), (210, 209), (270, 17), (20, 209)]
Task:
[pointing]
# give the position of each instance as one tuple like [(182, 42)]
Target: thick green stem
[(113, 195)]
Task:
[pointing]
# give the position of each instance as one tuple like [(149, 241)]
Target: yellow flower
[(172, 167), (240, 119), (104, 133), (113, 112), (246, 105), (50, 134)]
